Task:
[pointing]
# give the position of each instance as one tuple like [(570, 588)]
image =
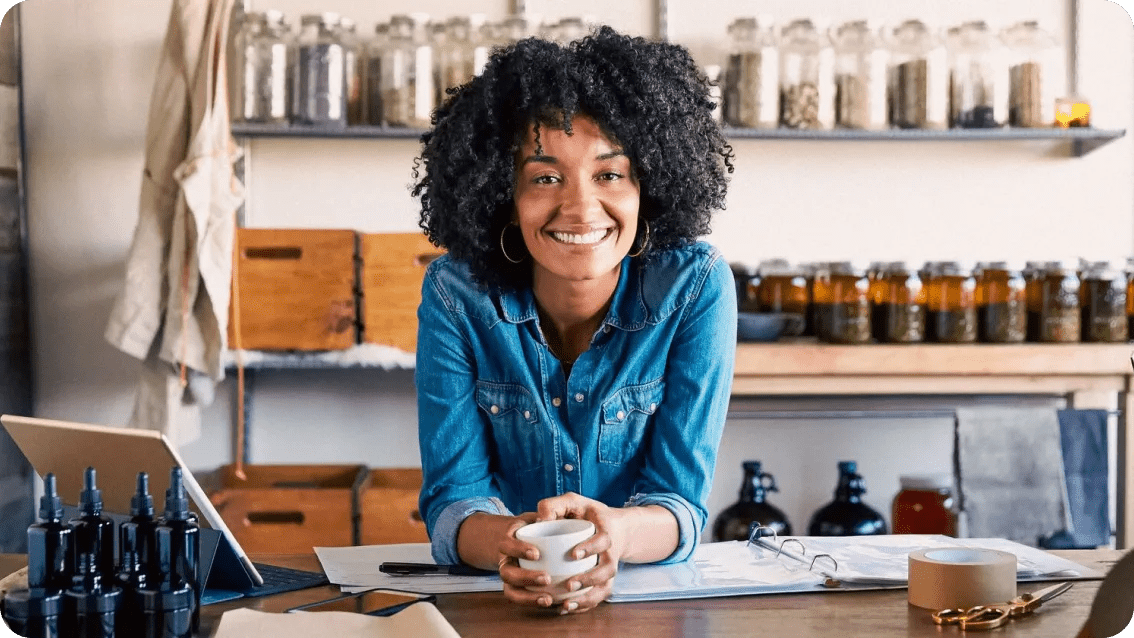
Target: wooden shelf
[(1082, 140)]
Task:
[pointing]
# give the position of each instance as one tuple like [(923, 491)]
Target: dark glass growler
[(733, 523), (847, 515)]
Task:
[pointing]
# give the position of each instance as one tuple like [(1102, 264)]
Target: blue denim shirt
[(638, 421)]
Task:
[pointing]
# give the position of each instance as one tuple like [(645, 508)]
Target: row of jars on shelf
[(329, 75), (857, 76), (1062, 301)]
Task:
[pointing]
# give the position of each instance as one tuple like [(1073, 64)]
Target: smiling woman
[(576, 344)]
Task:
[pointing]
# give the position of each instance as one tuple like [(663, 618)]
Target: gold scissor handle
[(948, 616), (981, 618)]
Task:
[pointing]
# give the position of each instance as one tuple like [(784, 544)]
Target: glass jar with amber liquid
[(783, 288), (1033, 294), (842, 303), (1001, 301), (1060, 318), (1102, 297), (747, 284), (876, 278), (903, 310), (924, 506), (951, 313)]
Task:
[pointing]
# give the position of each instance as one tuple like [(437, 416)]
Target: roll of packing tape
[(959, 578)]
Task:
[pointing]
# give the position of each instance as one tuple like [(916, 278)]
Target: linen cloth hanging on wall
[(173, 311)]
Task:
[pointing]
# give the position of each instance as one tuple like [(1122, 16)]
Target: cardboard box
[(294, 289), (392, 269), (290, 509)]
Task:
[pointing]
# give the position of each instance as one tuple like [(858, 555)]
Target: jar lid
[(776, 268), (849, 267), (1010, 265), (926, 482)]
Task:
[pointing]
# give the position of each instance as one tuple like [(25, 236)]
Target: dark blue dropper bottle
[(51, 550), (178, 535), (90, 606), (94, 533)]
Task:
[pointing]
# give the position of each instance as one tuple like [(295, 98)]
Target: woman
[(576, 344)]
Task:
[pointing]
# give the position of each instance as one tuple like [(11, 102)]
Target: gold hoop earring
[(645, 242), (502, 231)]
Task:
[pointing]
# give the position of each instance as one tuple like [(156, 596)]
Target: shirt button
[(567, 467), (556, 401), (621, 415), (527, 415), (495, 409), (579, 397), (606, 328), (653, 406)]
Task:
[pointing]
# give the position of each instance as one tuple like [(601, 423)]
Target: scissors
[(992, 616)]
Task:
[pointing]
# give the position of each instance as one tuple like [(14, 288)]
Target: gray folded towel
[(1009, 465)]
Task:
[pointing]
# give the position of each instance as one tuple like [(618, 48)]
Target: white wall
[(89, 67)]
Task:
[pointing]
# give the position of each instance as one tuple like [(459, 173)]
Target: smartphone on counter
[(374, 602)]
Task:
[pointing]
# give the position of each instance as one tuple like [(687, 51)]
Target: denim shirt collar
[(627, 308)]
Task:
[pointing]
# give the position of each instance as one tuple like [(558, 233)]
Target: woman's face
[(576, 202)]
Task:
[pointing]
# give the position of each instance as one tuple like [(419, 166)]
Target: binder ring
[(795, 540), (828, 557), (756, 527)]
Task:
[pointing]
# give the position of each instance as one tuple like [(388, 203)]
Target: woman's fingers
[(569, 505), (596, 544)]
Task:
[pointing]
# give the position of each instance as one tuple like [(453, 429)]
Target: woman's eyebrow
[(541, 158)]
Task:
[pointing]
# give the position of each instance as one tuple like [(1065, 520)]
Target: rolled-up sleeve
[(452, 435), (679, 467)]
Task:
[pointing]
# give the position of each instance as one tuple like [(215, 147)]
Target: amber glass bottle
[(735, 522), (951, 316), (783, 288), (902, 315), (1001, 302)]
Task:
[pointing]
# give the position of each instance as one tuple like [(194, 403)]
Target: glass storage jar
[(1102, 297), (455, 57), (354, 65), (747, 287), (1059, 319), (903, 310), (875, 276), (260, 91), (860, 76), (978, 79), (515, 28), (1034, 68), (319, 85), (751, 86), (951, 303), (1033, 286), (841, 294), (375, 51), (806, 77), (1001, 302), (782, 288), (918, 77), (408, 91), (847, 514), (924, 505)]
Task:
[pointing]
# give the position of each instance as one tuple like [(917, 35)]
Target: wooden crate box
[(294, 288), (388, 508), (289, 509), (393, 266)]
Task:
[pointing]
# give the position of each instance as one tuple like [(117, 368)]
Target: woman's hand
[(608, 543)]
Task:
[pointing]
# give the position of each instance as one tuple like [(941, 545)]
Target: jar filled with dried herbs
[(904, 306), (876, 275), (1102, 297), (807, 99), (1035, 63), (782, 288), (1033, 287), (260, 88), (1060, 318), (841, 294), (319, 84), (1001, 301), (860, 76), (951, 312), (918, 72), (408, 92), (375, 51), (978, 79), (751, 86)]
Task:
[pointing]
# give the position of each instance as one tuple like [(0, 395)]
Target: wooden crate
[(393, 266), (388, 508), (289, 509), (296, 289)]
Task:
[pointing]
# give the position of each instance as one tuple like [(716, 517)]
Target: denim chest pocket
[(511, 409), (625, 417)]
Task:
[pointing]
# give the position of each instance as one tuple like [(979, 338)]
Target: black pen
[(424, 569)]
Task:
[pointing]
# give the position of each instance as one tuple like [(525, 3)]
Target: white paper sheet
[(356, 569), (421, 620)]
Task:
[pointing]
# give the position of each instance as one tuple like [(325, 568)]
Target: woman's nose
[(581, 199)]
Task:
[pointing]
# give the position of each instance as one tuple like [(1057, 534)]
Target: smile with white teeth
[(592, 237)]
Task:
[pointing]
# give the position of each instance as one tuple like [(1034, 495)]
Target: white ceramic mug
[(555, 540)]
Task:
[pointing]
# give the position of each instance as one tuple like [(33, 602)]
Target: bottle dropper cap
[(142, 503), (90, 499), (50, 505), (176, 503)]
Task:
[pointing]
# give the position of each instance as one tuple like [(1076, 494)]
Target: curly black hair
[(647, 96)]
